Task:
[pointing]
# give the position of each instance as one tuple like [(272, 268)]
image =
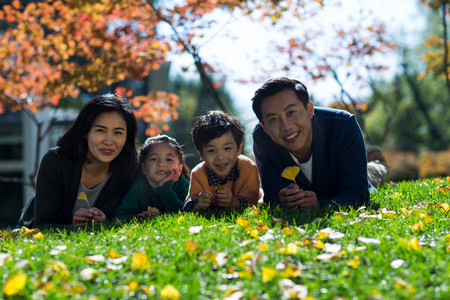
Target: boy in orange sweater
[(225, 178)]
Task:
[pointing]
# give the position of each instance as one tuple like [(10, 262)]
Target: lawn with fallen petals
[(396, 247)]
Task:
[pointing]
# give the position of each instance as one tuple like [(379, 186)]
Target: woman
[(83, 180)]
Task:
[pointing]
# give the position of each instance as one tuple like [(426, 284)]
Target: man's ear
[(262, 125), (310, 108), (200, 154)]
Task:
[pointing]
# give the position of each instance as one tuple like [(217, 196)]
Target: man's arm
[(351, 167)]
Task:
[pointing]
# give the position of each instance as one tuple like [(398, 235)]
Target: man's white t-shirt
[(305, 168)]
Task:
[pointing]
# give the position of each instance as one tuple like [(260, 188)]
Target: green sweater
[(168, 198)]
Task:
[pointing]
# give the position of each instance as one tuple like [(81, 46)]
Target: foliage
[(195, 101), (437, 56), (396, 247), (408, 165), (51, 50)]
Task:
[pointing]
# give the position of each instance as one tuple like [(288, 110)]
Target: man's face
[(288, 122)]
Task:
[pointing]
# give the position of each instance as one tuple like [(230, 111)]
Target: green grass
[(226, 257)]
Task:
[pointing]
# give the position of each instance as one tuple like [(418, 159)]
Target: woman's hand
[(84, 216)]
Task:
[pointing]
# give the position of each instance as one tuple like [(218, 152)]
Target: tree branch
[(444, 25), (206, 81)]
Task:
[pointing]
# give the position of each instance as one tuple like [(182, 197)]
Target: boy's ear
[(240, 149), (200, 154)]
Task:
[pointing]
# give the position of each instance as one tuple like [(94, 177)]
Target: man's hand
[(173, 175), (225, 198), (308, 200), (294, 197), (84, 216), (205, 199)]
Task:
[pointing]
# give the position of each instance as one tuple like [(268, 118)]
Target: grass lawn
[(398, 247)]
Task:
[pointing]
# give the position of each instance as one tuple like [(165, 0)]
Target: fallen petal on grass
[(368, 240)]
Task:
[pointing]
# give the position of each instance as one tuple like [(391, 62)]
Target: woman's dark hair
[(164, 139), (275, 85), (74, 144), (214, 124)]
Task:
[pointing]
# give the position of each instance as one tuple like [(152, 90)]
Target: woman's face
[(106, 137)]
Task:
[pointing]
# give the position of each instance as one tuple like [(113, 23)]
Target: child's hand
[(173, 175), (153, 211), (205, 199), (224, 198)]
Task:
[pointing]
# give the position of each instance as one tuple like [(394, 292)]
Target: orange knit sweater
[(247, 185)]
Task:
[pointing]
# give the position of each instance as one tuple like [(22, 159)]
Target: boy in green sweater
[(164, 184)]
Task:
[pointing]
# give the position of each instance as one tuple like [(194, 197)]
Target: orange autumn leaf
[(354, 263), (243, 222), (254, 233), (113, 254), (405, 212), (412, 244), (262, 247), (192, 247), (290, 249), (169, 292), (319, 245), (417, 227), (445, 207), (15, 284), (38, 236), (290, 173), (268, 274), (140, 262), (401, 284)]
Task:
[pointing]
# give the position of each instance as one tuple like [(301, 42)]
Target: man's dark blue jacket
[(339, 170)]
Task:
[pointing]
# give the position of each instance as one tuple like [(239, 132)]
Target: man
[(326, 144)]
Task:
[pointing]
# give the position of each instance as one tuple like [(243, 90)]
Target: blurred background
[(385, 61)]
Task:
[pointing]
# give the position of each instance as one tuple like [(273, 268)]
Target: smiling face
[(288, 123), (106, 137), (220, 154), (160, 159)]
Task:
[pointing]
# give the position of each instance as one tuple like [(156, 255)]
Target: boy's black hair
[(164, 139), (214, 124)]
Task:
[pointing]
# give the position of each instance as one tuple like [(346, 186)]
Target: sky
[(402, 18)]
